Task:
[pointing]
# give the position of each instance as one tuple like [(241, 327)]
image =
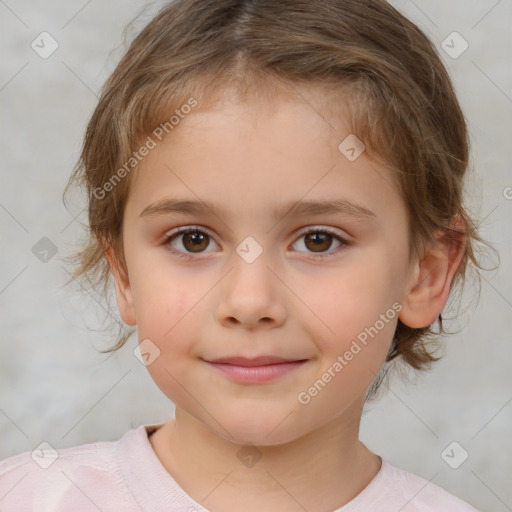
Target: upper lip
[(256, 361)]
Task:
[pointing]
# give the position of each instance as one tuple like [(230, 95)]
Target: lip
[(254, 361), (256, 370)]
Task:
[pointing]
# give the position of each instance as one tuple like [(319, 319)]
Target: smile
[(250, 373)]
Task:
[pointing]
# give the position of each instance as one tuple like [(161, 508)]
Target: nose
[(251, 296)]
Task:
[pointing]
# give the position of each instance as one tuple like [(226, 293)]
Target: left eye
[(320, 240)]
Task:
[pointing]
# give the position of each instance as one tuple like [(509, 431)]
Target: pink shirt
[(127, 476)]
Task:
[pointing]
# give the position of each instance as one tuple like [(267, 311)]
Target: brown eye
[(189, 241), (195, 241), (319, 241)]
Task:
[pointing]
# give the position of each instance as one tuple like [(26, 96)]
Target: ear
[(124, 294), (431, 277)]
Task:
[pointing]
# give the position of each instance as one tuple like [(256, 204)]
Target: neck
[(321, 471)]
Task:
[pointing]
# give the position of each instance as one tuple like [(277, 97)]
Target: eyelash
[(193, 229)]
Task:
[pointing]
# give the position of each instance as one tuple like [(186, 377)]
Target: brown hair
[(402, 105)]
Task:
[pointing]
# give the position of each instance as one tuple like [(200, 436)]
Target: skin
[(288, 302)]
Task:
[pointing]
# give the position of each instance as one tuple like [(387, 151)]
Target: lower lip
[(257, 374)]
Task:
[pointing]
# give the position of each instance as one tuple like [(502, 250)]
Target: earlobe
[(124, 294), (431, 280)]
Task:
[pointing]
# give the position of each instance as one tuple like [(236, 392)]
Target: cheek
[(358, 312), (354, 297), (170, 320), (162, 292), (163, 303)]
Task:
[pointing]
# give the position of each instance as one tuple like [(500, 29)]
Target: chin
[(257, 429)]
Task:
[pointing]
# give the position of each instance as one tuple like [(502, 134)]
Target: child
[(276, 188)]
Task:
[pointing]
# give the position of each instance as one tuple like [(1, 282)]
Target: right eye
[(190, 240)]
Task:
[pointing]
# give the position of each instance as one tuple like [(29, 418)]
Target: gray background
[(54, 385)]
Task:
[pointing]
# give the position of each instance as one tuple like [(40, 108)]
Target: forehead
[(256, 154)]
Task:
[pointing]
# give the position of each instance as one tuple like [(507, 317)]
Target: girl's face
[(248, 281)]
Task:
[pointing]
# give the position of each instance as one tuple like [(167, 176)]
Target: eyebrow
[(193, 207)]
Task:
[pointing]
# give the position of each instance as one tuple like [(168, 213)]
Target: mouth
[(256, 370)]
